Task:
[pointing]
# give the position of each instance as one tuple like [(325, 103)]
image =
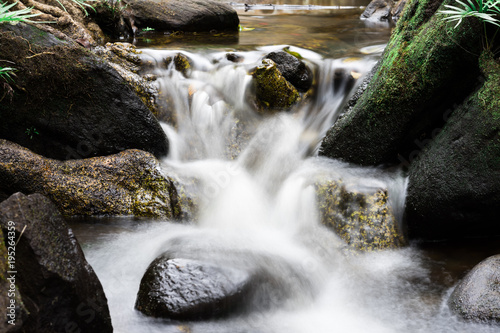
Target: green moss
[(273, 90), (365, 221)]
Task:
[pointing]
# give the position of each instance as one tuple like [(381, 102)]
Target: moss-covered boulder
[(181, 15), (427, 66), (67, 103), (127, 183), (365, 221), (58, 287), (273, 91), (293, 69), (477, 296), (454, 183)]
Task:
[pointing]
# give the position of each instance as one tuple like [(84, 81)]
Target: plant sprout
[(487, 11), (21, 15)]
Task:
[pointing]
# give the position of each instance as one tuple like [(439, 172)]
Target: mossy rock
[(365, 221), (427, 67), (273, 91), (127, 183), (68, 103), (181, 63), (454, 183)]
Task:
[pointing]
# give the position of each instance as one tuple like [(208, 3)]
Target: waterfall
[(255, 179)]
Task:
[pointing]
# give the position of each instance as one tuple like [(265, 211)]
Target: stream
[(254, 178)]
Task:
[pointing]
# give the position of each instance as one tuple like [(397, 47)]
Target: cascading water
[(257, 210)]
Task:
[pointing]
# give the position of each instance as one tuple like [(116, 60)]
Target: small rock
[(378, 10), (477, 296), (294, 70), (365, 221), (273, 90), (185, 289)]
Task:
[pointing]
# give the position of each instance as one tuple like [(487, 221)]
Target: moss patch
[(273, 91), (364, 221)]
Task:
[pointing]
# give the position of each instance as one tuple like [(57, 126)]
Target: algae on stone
[(127, 183), (273, 91), (426, 68), (365, 221)]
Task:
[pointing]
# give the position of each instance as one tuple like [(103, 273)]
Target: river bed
[(256, 196)]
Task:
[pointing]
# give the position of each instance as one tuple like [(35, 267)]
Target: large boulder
[(126, 183), (477, 296), (58, 287), (68, 103), (182, 15), (273, 91), (426, 67), (10, 297), (295, 71), (454, 183), (364, 220), (186, 289)]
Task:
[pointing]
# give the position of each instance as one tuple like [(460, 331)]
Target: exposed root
[(70, 21)]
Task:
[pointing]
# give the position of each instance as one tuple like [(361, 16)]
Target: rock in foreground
[(128, 183), (186, 289), (477, 296), (59, 289)]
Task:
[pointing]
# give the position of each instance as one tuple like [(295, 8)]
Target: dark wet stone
[(67, 103), (477, 296), (294, 70), (186, 289), (58, 287), (183, 15)]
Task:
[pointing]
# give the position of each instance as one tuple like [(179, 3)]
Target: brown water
[(333, 31)]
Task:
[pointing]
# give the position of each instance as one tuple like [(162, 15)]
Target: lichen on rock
[(127, 183), (365, 221)]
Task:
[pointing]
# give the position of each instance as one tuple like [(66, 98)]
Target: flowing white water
[(258, 210)]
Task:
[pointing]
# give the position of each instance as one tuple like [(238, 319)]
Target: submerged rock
[(365, 221), (273, 91), (454, 183), (477, 296), (182, 15), (295, 71), (58, 288), (128, 183), (426, 67), (186, 289), (67, 103)]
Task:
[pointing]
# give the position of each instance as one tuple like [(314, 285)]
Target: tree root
[(68, 23)]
